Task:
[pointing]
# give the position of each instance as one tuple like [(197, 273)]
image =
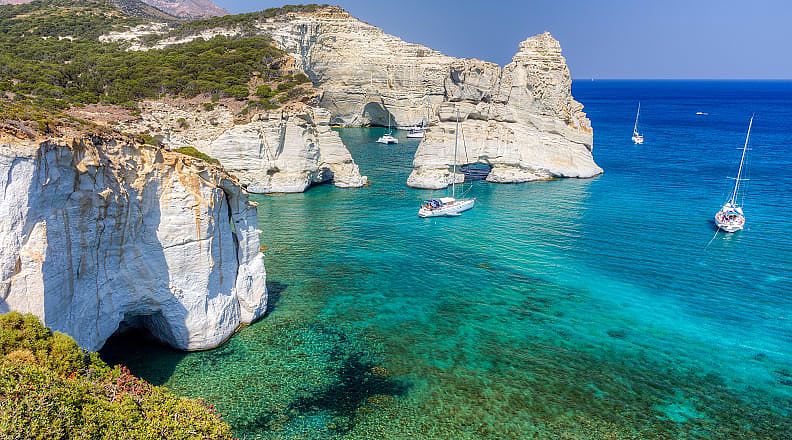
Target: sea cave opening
[(137, 337), (377, 115), (476, 171)]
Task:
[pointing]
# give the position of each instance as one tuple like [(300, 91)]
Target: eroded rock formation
[(100, 232), (285, 150), (520, 119)]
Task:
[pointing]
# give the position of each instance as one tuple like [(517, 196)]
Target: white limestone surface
[(279, 151), (99, 233), (520, 119)]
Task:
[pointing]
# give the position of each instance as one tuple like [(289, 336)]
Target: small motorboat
[(416, 133)]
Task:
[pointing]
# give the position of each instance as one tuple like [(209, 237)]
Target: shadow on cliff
[(378, 115)]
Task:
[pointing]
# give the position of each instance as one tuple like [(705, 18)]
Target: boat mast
[(742, 160), (635, 127), (456, 143), (428, 112)]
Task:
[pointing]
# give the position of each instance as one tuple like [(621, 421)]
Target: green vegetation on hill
[(244, 22), (87, 19), (191, 151), (51, 389), (51, 56)]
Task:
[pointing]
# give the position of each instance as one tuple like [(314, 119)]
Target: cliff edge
[(100, 233)]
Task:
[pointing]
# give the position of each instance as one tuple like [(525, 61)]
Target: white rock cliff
[(99, 233), (280, 151), (520, 119)]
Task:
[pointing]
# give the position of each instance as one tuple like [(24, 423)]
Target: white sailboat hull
[(729, 222), (416, 134), (449, 209), (638, 139), (387, 139)]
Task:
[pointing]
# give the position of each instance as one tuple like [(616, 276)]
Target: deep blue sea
[(590, 309)]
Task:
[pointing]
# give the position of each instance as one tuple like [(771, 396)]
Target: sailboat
[(637, 138), (448, 206), (388, 138), (417, 131), (731, 218)]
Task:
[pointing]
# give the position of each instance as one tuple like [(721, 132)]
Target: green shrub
[(148, 139), (284, 86), (300, 78), (295, 93), (193, 152), (238, 92), (51, 389), (264, 91), (264, 104)]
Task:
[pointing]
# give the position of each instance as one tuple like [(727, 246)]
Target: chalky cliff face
[(280, 151), (99, 233), (521, 119)]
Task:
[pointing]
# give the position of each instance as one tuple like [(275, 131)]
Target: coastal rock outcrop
[(279, 151), (99, 232), (520, 119)]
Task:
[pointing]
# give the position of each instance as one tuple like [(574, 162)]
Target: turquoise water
[(567, 309)]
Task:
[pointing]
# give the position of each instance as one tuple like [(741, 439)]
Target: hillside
[(189, 8), (50, 388), (159, 8), (56, 56)]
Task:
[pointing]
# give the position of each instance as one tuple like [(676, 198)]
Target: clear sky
[(714, 39)]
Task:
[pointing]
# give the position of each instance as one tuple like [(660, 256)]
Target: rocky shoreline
[(520, 119)]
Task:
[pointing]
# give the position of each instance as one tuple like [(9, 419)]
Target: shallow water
[(567, 309)]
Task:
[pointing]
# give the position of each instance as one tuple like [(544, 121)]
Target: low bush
[(52, 389), (193, 152)]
